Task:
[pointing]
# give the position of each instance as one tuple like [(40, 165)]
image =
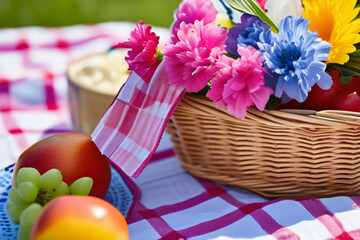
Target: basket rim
[(288, 117)]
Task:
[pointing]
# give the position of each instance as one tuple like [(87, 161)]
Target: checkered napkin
[(170, 204), (131, 129)]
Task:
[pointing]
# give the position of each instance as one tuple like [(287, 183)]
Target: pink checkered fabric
[(131, 129), (169, 203), (191, 208)]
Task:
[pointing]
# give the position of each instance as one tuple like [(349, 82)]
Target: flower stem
[(159, 55)]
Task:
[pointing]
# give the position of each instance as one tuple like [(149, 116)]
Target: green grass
[(16, 13)]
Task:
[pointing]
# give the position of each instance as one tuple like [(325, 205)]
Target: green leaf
[(353, 65), (345, 80), (346, 72), (353, 68), (202, 92), (357, 52), (232, 55), (273, 102), (159, 55), (346, 76), (251, 7)]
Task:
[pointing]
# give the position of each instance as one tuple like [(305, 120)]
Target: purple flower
[(249, 32)]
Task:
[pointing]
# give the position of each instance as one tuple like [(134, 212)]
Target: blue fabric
[(118, 195)]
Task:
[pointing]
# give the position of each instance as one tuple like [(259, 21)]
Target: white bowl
[(93, 82)]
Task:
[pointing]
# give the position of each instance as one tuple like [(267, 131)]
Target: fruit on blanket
[(27, 219), (41, 189), (349, 97), (74, 154), (34, 191), (79, 217)]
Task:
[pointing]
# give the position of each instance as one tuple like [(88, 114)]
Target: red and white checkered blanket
[(169, 203)]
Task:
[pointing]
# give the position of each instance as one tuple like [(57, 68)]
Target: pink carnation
[(245, 86), (191, 10), (222, 76), (191, 61), (142, 58)]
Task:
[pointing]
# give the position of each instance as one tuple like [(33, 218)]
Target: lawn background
[(16, 13)]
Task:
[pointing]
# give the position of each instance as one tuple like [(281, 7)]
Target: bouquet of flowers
[(241, 53)]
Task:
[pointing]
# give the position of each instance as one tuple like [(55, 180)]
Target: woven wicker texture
[(273, 153)]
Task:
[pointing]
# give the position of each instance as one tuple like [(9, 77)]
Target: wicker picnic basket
[(273, 153)]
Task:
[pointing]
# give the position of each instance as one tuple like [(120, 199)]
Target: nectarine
[(74, 154), (79, 217)]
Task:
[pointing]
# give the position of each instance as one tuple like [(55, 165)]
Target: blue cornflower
[(294, 58), (250, 31)]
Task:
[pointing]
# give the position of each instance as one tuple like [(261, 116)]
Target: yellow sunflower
[(334, 21)]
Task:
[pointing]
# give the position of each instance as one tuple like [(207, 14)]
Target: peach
[(74, 154), (79, 217)]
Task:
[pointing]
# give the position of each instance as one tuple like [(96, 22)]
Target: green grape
[(28, 174), (51, 180), (30, 214), (27, 191), (9, 205), (14, 196), (15, 212), (24, 232), (82, 186), (62, 190)]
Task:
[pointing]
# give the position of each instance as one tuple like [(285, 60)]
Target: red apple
[(74, 154), (319, 99), (347, 102), (349, 97), (79, 217), (353, 85)]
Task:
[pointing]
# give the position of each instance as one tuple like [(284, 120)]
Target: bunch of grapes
[(34, 190)]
